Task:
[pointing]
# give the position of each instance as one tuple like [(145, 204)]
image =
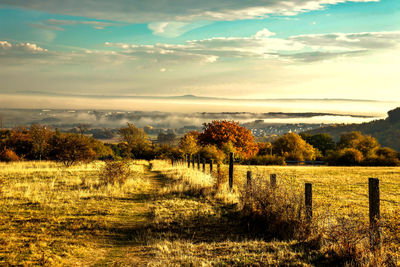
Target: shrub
[(278, 212), (381, 161), (115, 172), (265, 160), (8, 155), (345, 157)]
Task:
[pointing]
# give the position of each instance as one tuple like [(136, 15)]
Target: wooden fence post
[(272, 179), (308, 201), (198, 161), (193, 156), (249, 178), (231, 170), (204, 165), (374, 212), (211, 166), (172, 161)]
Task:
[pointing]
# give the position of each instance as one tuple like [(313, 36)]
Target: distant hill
[(387, 131)]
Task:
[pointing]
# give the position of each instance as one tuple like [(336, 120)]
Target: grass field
[(336, 190), (162, 215)]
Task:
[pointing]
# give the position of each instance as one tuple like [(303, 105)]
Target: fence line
[(374, 197)]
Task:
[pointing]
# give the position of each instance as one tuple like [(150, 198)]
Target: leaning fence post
[(231, 170), (204, 165), (308, 202), (249, 177), (374, 212), (272, 179)]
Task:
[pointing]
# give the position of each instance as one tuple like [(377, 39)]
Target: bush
[(381, 161), (345, 157), (278, 212), (265, 160), (8, 155), (115, 172)]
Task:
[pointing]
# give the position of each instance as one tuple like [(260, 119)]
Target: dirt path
[(127, 246)]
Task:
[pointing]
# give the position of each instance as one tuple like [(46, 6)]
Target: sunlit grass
[(165, 215), (55, 216)]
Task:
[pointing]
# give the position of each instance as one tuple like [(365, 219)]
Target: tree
[(221, 133), (323, 142), (83, 128), (71, 148), (264, 148), (345, 157), (394, 115), (40, 140), (293, 147), (189, 143), (364, 143), (135, 138), (20, 141), (166, 138), (211, 152)]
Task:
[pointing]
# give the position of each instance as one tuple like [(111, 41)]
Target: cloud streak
[(174, 10)]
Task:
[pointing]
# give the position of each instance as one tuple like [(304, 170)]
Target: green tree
[(323, 142)]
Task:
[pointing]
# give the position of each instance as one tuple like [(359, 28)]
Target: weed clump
[(115, 172)]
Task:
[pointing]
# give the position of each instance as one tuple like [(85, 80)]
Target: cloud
[(261, 46), (174, 10), (265, 33), (210, 50), (95, 24), (26, 47), (351, 41), (174, 28), (321, 56), (54, 24), (5, 45)]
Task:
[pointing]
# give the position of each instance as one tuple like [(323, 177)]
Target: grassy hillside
[(386, 131)]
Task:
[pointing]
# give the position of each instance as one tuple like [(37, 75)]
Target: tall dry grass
[(56, 216)]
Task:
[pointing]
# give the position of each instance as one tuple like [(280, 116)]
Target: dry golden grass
[(55, 216), (336, 190), (172, 216)]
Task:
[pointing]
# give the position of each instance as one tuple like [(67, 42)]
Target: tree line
[(215, 143)]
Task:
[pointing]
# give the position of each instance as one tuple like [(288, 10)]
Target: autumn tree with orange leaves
[(229, 133)]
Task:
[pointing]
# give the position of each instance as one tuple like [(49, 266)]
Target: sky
[(254, 49)]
